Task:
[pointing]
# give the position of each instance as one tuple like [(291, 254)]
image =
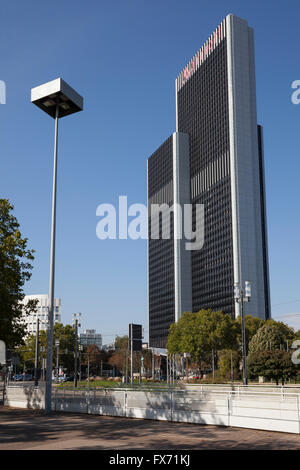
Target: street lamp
[(57, 359), (243, 296), (43, 362), (80, 347), (76, 323), (36, 361), (57, 99)]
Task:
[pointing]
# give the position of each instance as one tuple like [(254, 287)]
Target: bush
[(272, 365)]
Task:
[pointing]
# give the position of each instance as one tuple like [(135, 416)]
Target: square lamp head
[(57, 92)]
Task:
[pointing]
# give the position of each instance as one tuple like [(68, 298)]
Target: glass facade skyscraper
[(215, 158)]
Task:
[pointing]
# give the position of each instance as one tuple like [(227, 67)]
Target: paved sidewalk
[(26, 429)]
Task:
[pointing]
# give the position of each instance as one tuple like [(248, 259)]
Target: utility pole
[(142, 366), (152, 364), (126, 373), (131, 356), (36, 360), (239, 297), (167, 369)]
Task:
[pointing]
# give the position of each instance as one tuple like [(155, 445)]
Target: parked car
[(69, 379), (17, 377), (28, 377)]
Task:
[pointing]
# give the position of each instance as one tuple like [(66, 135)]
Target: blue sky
[(123, 56)]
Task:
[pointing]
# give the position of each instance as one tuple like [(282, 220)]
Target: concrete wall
[(25, 397), (270, 410)]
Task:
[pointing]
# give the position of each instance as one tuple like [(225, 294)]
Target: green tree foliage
[(121, 342), (199, 333), (118, 357), (252, 325), (65, 335), (276, 365), (224, 363), (15, 270), (272, 335)]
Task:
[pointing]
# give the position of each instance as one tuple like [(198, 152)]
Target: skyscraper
[(215, 158)]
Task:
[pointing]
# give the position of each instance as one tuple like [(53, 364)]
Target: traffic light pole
[(76, 353)]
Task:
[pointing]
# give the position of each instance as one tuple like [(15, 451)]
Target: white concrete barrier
[(25, 397), (267, 410)]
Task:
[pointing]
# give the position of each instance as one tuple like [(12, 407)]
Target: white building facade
[(90, 337), (41, 314)]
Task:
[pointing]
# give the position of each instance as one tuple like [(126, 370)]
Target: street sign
[(137, 331), (2, 353), (137, 334), (137, 345)]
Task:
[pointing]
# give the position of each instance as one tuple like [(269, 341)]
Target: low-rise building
[(90, 337), (41, 314)]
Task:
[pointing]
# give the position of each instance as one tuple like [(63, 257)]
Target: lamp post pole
[(242, 296), (48, 392), (131, 356), (57, 359), (80, 347), (36, 361), (57, 99), (76, 324), (43, 363), (76, 353)]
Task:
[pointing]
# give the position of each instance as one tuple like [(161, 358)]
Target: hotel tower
[(213, 160)]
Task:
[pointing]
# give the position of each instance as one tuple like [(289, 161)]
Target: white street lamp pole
[(57, 99), (48, 392), (242, 296)]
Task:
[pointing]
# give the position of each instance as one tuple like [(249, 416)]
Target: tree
[(15, 270), (273, 335), (224, 363), (200, 333), (66, 337), (118, 357), (118, 360), (93, 354), (272, 365), (121, 342), (252, 325)]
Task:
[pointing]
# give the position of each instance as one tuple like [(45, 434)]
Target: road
[(26, 429)]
